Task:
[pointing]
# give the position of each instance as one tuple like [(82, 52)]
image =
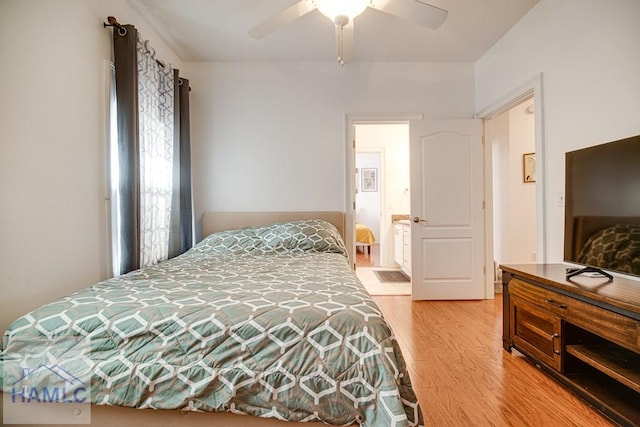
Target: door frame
[(532, 88), (352, 119)]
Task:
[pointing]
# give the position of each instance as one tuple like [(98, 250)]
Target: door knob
[(417, 219)]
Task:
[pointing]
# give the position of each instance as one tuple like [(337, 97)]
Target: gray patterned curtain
[(182, 230), (154, 193)]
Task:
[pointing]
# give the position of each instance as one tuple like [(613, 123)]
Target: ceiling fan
[(342, 12)]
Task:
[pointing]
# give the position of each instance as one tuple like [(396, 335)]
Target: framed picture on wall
[(369, 179), (529, 167)]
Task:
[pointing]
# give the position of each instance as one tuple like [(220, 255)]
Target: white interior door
[(447, 209)]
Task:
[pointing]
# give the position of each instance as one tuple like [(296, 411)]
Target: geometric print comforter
[(265, 321)]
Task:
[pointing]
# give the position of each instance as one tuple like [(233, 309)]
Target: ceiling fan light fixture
[(336, 10)]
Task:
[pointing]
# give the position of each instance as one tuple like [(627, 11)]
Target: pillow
[(616, 248), (313, 235), (242, 240)]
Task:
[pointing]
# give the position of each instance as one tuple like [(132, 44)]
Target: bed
[(364, 237), (268, 321)]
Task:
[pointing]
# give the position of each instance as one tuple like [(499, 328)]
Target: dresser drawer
[(536, 332), (614, 327)]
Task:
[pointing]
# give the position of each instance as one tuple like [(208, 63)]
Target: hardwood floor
[(462, 375), (366, 259)]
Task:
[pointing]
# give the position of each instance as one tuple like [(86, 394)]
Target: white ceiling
[(216, 30)]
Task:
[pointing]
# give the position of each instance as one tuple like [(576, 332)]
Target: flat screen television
[(602, 206)]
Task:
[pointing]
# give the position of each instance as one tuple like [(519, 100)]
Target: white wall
[(589, 56), (368, 202), (53, 146), (271, 136), (522, 200)]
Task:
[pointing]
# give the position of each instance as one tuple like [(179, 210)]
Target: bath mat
[(391, 276)]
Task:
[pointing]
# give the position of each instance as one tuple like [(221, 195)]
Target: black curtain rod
[(113, 22)]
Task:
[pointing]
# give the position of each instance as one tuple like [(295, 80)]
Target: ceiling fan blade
[(416, 11), (281, 19), (344, 43)]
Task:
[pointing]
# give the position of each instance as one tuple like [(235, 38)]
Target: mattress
[(265, 321)]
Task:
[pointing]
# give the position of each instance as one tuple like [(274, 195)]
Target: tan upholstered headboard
[(220, 221)]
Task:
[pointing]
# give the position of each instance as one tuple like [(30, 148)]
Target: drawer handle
[(553, 339), (556, 304)]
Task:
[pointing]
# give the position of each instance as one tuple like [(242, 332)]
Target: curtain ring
[(122, 31), (180, 81)]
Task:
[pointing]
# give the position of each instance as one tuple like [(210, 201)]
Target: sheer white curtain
[(156, 139)]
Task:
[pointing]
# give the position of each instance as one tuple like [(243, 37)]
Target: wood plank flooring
[(368, 259), (462, 375)]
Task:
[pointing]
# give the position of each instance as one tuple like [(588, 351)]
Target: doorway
[(531, 90), (381, 188), (460, 131), (512, 137)]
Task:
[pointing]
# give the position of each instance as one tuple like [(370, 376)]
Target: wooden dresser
[(585, 333)]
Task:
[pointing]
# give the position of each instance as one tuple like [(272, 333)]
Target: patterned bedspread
[(267, 321)]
